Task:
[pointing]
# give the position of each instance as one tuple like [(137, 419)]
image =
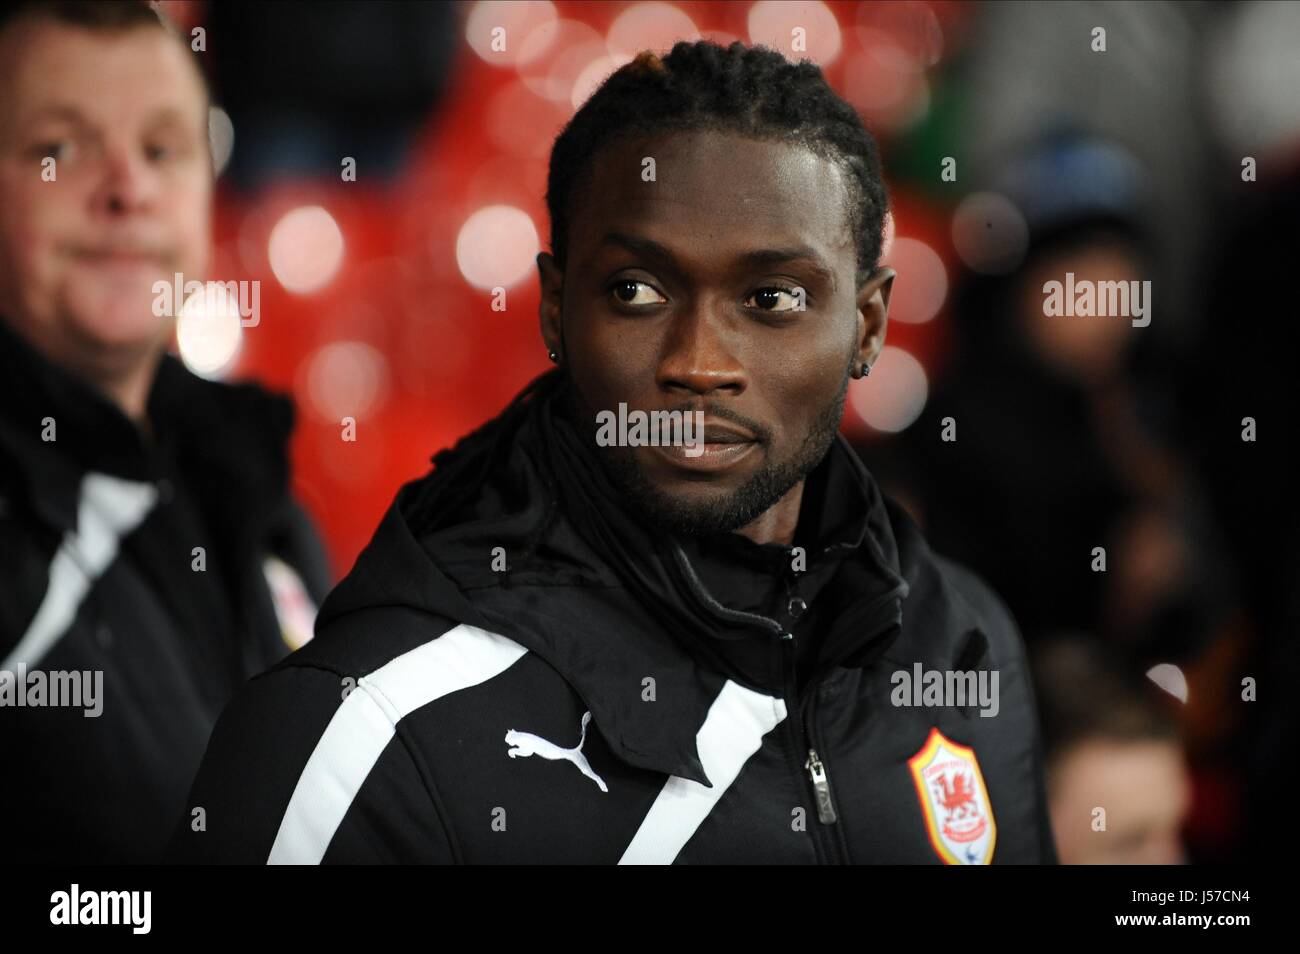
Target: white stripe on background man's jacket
[(146, 564), (518, 670)]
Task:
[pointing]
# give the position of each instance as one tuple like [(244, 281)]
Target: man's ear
[(552, 304), (873, 314)]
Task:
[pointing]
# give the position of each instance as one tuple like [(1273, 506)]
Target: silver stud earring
[(553, 356), (866, 369)]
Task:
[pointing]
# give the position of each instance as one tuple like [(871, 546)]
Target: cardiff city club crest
[(958, 815)]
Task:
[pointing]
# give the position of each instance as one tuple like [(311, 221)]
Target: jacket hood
[(520, 512)]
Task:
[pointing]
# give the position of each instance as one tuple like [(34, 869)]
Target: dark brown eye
[(58, 149), (632, 292), (778, 298)]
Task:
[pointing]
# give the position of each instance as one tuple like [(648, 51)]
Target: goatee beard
[(725, 511)]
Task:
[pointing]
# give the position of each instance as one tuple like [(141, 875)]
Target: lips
[(119, 257), (715, 433), (121, 267), (715, 457), (724, 446)]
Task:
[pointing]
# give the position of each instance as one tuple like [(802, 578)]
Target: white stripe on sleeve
[(365, 723)]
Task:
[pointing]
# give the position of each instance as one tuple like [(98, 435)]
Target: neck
[(778, 523), (129, 391), (121, 375), (124, 380)]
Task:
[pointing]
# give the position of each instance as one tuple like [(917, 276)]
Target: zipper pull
[(822, 786)]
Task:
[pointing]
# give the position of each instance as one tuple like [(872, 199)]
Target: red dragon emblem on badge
[(956, 793), (954, 801)]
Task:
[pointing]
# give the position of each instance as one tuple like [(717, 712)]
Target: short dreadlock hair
[(750, 90)]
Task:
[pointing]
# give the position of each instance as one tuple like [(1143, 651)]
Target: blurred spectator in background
[(1204, 96), (1066, 433), (1061, 436), (1117, 782), (149, 549)]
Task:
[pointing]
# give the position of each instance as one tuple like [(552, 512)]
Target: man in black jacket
[(151, 558), (585, 638)]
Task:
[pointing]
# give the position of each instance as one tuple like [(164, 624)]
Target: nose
[(699, 358), (128, 185)]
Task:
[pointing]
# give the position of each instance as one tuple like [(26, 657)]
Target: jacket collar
[(53, 428), (763, 578), (842, 520), (229, 441)]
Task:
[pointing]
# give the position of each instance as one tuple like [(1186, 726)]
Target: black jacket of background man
[(101, 572), (610, 693)]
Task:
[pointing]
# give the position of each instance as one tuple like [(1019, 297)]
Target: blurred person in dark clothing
[(151, 557), (1243, 397), (1062, 434), (1117, 781)]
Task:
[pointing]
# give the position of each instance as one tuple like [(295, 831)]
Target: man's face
[(683, 293), (1144, 789), (124, 116), (1089, 350)]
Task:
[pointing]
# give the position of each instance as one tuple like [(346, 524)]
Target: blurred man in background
[(1117, 780), (151, 557)]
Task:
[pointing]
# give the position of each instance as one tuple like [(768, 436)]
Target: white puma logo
[(525, 744)]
